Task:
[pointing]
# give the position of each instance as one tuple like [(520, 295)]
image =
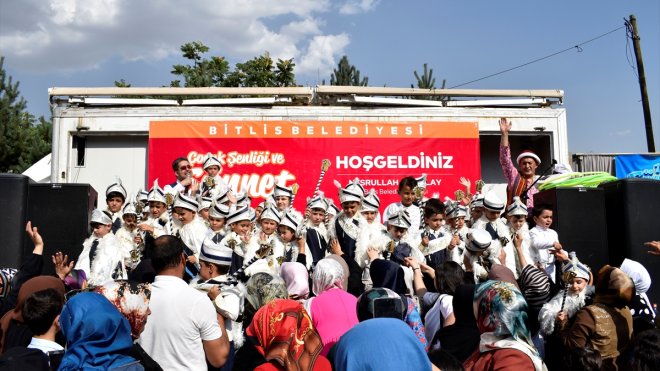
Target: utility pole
[(632, 28)]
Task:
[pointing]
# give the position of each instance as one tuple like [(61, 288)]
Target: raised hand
[(505, 126), (62, 265), (35, 237)]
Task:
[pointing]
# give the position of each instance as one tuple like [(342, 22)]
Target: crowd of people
[(191, 276)]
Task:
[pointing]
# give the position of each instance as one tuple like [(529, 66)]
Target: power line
[(578, 47)]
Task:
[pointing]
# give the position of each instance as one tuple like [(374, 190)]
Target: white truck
[(101, 133)]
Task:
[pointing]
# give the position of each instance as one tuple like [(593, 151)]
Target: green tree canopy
[(203, 72), (23, 140), (347, 74), (427, 81)]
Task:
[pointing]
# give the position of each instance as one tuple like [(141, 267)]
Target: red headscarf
[(283, 333)]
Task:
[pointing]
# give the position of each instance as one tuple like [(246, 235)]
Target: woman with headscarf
[(332, 310), (296, 277), (461, 338), (605, 325), (97, 335), (260, 289), (640, 306), (12, 330), (505, 343), (132, 301), (387, 274), (380, 344), (285, 339)]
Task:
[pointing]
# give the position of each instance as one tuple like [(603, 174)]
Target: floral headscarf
[(263, 287), (283, 333), (132, 301), (502, 310)]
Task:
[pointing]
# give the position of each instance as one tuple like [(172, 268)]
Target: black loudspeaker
[(13, 198), (633, 217), (579, 219), (61, 212)]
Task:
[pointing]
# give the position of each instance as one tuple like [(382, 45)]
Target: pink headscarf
[(297, 280)]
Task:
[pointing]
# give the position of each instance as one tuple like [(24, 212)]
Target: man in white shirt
[(183, 326)]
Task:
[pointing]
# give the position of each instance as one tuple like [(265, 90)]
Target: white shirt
[(44, 345), (541, 240), (442, 306), (181, 318)]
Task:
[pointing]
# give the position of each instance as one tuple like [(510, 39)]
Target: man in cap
[(519, 180)]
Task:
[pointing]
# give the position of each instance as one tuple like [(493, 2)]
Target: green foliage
[(257, 72), (23, 141), (347, 75), (427, 81), (202, 72)]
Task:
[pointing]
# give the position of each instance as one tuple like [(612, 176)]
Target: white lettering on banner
[(256, 158), (422, 161), (258, 185), (320, 128)]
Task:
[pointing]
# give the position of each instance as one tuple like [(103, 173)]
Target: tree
[(22, 141), (260, 72), (347, 75), (203, 72), (427, 81)]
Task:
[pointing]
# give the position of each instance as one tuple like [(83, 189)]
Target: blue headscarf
[(97, 335), (380, 344)]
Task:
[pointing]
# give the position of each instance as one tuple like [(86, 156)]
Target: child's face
[(407, 196), (350, 208), (241, 227), (268, 226), (282, 202), (317, 216), (130, 221), (476, 212), (544, 219), (577, 285), (258, 211), (517, 222), (396, 232), (491, 215), (459, 222), (205, 270), (100, 230), (435, 221), (157, 208), (212, 170), (185, 216), (114, 203), (286, 233), (216, 224), (370, 216)]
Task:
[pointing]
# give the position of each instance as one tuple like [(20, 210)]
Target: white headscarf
[(328, 273)]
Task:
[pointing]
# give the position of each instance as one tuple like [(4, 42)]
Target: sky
[(66, 43)]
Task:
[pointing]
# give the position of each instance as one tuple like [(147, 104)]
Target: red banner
[(256, 155)]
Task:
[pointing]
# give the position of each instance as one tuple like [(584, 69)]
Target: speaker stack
[(579, 219), (61, 212), (633, 217)]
